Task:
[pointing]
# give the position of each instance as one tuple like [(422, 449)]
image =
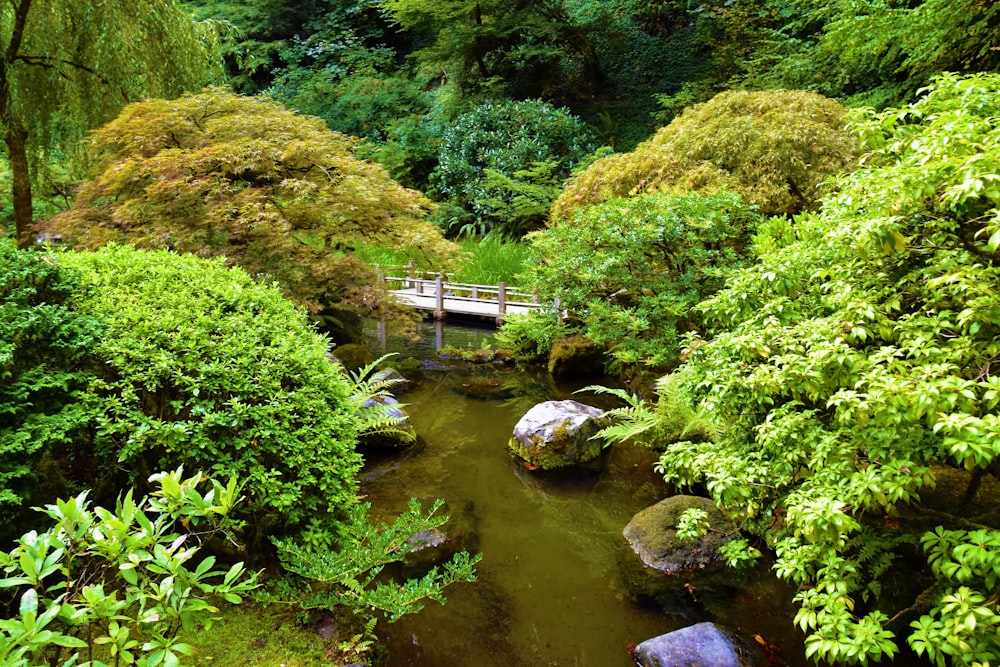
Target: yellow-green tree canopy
[(69, 65), (773, 147), (275, 192)]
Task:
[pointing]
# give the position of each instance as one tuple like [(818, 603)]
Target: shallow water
[(550, 591)]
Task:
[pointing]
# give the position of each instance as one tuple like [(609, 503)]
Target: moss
[(542, 458), (353, 356), (259, 635), (576, 356)]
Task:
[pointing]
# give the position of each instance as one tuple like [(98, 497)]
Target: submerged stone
[(699, 645)]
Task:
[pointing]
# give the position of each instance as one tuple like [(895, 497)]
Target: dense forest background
[(415, 78)]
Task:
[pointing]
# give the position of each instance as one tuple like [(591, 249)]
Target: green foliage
[(692, 524), (642, 47), (628, 421), (339, 68), (526, 49), (350, 577), (68, 65), (850, 363), (876, 52), (739, 554), (774, 148), (119, 585), (258, 32), (530, 336), (374, 415), (277, 193), (492, 259), (631, 270), (963, 628), (206, 368), (504, 162), (45, 349)]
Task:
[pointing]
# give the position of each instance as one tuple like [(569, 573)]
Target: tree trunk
[(17, 152)]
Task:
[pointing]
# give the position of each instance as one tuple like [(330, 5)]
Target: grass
[(490, 260), (268, 635), (493, 259)]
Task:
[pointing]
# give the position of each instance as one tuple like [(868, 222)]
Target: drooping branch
[(53, 63)]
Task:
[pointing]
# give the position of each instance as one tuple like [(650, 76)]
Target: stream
[(550, 589)]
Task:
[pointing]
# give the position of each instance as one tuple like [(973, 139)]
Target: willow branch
[(54, 63)]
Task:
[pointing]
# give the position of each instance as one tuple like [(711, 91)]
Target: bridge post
[(439, 313), (501, 300), (411, 272)]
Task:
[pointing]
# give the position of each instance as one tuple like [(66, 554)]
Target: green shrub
[(504, 162), (774, 148), (631, 271), (45, 351), (119, 585), (851, 369), (530, 336), (275, 192), (203, 367), (326, 579)]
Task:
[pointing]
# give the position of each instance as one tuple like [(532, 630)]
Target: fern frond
[(629, 421)]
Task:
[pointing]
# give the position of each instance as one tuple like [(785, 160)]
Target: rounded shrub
[(773, 147), (204, 367), (504, 162), (45, 354)]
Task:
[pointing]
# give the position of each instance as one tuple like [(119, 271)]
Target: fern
[(350, 576), (629, 421), (670, 419), (375, 415)]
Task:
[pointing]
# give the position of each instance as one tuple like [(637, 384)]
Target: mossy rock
[(353, 356), (652, 534), (557, 434), (576, 356)]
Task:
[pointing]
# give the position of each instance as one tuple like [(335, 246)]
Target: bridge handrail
[(474, 290)]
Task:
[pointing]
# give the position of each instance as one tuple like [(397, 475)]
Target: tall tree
[(527, 49), (69, 65)]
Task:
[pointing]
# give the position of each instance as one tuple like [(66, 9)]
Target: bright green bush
[(504, 163), (631, 271), (118, 586), (854, 367), (45, 351), (274, 192), (204, 367), (774, 148)]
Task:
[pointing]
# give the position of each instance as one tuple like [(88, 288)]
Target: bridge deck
[(459, 304)]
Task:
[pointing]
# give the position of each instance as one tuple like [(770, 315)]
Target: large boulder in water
[(557, 434), (699, 645), (652, 534)]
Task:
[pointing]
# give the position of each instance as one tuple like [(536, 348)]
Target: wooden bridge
[(437, 293)]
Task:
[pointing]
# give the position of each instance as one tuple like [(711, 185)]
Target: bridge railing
[(440, 286)]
